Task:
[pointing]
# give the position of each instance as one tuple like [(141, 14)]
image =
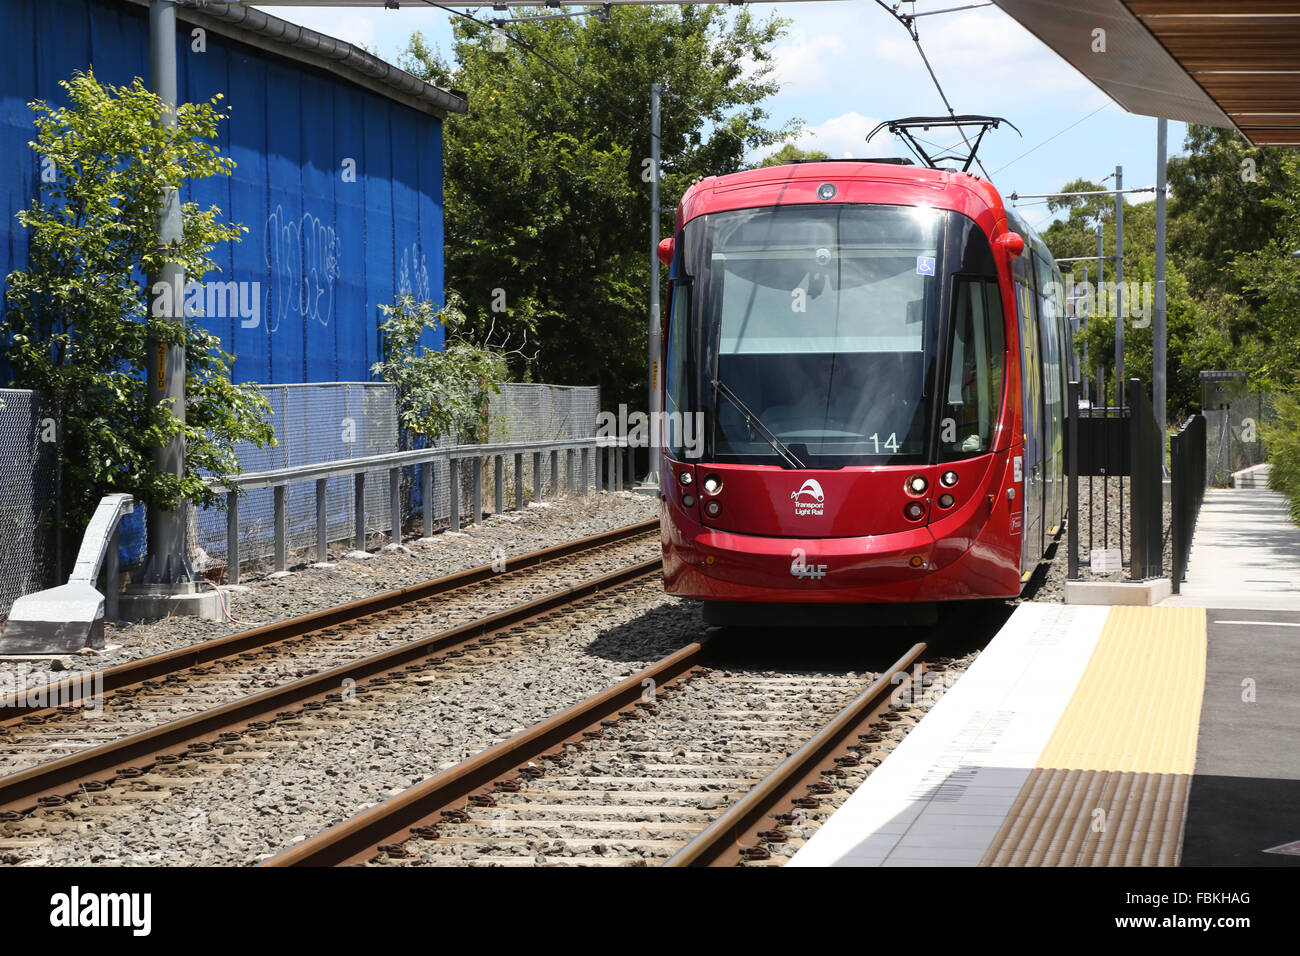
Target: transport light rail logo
[(809, 499)]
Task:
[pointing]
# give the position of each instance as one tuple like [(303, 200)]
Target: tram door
[(1031, 371), (1050, 345)]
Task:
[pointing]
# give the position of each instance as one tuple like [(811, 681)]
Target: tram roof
[(857, 181)]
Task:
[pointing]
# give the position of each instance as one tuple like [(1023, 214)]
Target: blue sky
[(845, 66)]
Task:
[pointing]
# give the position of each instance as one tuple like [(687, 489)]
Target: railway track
[(680, 765), (42, 726), (96, 772)]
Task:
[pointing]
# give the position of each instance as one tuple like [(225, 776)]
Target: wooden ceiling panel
[(1245, 54), (1212, 8)]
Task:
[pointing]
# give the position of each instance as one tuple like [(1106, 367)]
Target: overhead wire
[(1052, 137), (908, 23)]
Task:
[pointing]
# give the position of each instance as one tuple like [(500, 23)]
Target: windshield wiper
[(754, 422)]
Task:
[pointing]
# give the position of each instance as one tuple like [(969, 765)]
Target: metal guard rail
[(616, 474)]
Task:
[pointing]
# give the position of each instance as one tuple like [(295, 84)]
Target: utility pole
[(1082, 371), (1159, 341), (1096, 305), (652, 472), (167, 585), (1119, 283)]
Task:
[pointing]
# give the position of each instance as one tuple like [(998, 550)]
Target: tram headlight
[(948, 478), (946, 500), (684, 478), (688, 500), (917, 484), (713, 508), (712, 484), (914, 511)]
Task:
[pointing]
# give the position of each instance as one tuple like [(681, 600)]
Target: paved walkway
[(1245, 553)]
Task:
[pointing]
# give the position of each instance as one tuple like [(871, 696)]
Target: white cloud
[(844, 137), (804, 60), (982, 50)]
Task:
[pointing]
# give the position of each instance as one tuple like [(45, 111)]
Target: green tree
[(439, 393), (77, 320), (1219, 205), (790, 153), (1196, 335), (548, 176)]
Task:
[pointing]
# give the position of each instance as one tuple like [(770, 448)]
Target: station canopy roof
[(1230, 63)]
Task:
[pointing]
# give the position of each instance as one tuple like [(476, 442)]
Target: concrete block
[(1253, 477), (59, 620), (1140, 593), (147, 606)]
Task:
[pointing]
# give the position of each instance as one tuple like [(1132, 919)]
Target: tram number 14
[(800, 568), (890, 443)]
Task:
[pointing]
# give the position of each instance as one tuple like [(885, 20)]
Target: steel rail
[(20, 790), (721, 843), (359, 838), (14, 707)]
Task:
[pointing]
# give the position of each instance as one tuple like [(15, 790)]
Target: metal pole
[(426, 492), (477, 486), (395, 505), (167, 561), (1119, 281), (652, 473), (1083, 366), (1072, 479), (359, 511), (453, 486), (281, 520), (322, 520), (232, 537), (1158, 330)]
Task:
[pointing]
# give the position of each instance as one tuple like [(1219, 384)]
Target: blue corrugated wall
[(327, 253)]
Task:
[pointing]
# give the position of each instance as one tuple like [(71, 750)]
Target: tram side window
[(675, 397), (974, 384)]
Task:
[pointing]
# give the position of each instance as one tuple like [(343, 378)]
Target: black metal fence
[(1146, 481), (1188, 473), (1119, 451)]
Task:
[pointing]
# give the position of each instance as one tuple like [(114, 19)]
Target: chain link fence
[(339, 420), (27, 496), (523, 412), (1233, 438), (313, 423)]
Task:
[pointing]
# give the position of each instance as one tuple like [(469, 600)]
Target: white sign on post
[(1106, 560)]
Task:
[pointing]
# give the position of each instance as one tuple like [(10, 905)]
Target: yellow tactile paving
[(1110, 787), (1138, 703)]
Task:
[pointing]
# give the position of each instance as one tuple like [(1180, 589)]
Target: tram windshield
[(815, 332)]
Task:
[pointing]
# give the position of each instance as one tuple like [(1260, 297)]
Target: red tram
[(875, 355)]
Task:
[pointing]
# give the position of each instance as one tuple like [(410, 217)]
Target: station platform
[(1245, 553), (1121, 736)]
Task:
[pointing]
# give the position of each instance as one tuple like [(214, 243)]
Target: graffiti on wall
[(413, 274), (303, 257)]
